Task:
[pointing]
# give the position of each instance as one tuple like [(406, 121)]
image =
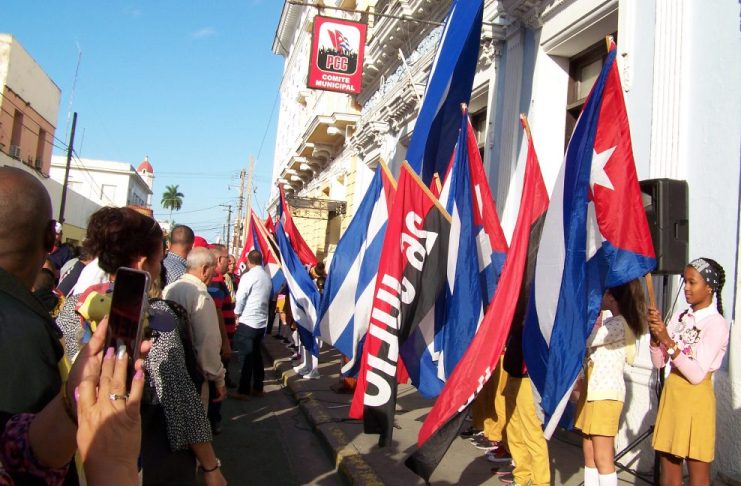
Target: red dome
[(145, 166)]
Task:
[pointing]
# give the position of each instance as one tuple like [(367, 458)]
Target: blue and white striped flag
[(303, 292), (449, 85), (348, 291)]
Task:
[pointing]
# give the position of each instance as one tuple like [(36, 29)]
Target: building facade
[(681, 75), (29, 105), (105, 182)]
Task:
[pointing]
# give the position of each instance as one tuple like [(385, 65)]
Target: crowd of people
[(68, 408)]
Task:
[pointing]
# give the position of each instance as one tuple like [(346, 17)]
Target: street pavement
[(270, 435), (267, 441)]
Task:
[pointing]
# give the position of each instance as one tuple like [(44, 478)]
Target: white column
[(669, 84), (510, 129)]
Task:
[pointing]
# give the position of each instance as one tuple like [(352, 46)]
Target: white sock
[(591, 476), (608, 479), (314, 360)]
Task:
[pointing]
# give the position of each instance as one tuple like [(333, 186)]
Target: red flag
[(269, 225), (257, 239), (409, 279), (507, 306), (303, 251)]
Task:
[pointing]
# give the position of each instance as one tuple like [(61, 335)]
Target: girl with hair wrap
[(610, 345), (694, 342)]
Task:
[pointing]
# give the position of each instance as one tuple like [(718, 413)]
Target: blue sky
[(193, 85)]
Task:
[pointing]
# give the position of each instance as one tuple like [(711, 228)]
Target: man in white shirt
[(253, 296), (190, 291)]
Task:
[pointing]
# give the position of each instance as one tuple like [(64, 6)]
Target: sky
[(193, 85)]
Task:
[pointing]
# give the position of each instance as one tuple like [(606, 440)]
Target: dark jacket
[(30, 350)]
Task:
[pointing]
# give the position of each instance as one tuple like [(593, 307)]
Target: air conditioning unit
[(15, 151), (38, 163)]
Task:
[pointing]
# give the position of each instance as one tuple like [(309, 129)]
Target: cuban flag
[(507, 307), (477, 250), (259, 239), (597, 237), (303, 251), (449, 85), (491, 245), (303, 292), (348, 291), (340, 42)]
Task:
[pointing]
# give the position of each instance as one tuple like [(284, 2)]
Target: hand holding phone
[(129, 305)]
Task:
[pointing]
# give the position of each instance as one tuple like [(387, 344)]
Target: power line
[(197, 210)]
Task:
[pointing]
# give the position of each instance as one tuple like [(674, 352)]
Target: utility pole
[(248, 213), (66, 170), (228, 225), (237, 228)]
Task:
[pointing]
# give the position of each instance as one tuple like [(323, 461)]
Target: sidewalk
[(362, 462)]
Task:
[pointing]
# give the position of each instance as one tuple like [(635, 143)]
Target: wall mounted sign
[(337, 50)]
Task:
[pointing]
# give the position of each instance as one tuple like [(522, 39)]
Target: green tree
[(172, 199)]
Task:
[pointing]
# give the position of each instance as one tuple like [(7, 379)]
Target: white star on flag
[(598, 174)]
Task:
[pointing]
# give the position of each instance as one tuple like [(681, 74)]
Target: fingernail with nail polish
[(121, 351), (109, 352), (77, 394), (139, 375)]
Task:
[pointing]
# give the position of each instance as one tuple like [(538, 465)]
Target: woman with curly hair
[(694, 342), (176, 431)]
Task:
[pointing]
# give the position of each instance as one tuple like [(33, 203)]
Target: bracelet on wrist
[(217, 466)]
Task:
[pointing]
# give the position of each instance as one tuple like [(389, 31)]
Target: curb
[(349, 462)]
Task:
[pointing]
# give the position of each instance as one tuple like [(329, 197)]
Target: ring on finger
[(115, 396)]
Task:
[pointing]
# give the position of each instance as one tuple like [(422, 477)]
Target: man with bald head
[(29, 344)]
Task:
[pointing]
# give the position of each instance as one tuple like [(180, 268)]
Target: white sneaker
[(312, 375), (300, 370)]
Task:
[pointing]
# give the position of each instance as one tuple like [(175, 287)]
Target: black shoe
[(469, 432)]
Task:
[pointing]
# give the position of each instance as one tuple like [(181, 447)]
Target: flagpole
[(526, 126), (650, 288)]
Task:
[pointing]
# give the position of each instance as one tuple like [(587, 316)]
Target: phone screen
[(128, 304)]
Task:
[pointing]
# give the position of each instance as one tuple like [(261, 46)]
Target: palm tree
[(172, 199)]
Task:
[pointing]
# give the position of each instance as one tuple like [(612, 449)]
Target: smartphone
[(129, 305)]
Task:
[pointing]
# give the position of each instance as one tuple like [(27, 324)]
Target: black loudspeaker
[(667, 210)]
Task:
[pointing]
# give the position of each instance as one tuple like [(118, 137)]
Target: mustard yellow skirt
[(685, 422), (598, 417)]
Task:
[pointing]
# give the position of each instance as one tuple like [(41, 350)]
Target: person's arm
[(659, 356), (204, 452), (207, 339), (243, 291), (610, 332), (17, 454), (53, 422)]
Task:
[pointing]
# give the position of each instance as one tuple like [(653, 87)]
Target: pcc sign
[(337, 50)]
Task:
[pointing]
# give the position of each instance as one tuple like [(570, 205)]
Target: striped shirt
[(222, 298)]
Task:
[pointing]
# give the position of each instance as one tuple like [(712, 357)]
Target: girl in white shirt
[(610, 345)]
